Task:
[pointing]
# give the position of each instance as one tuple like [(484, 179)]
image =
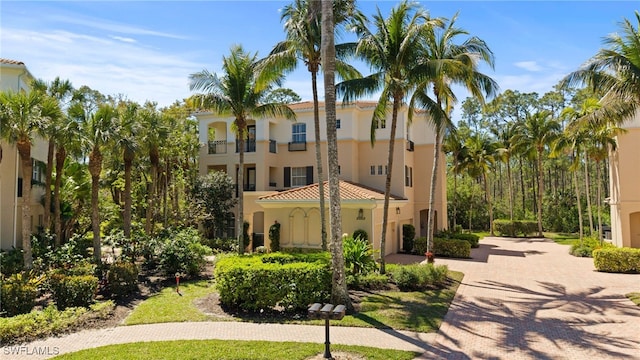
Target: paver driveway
[(519, 299), (530, 299)]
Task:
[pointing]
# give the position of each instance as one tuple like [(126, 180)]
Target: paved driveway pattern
[(519, 299)]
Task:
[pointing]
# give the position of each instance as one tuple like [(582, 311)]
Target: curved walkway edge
[(380, 338)]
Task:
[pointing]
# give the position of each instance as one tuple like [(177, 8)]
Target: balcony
[(249, 146), (409, 145), (217, 147), (298, 146), (273, 146)]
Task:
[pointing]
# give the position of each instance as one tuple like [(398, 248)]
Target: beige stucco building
[(281, 180), (624, 172), (14, 76)]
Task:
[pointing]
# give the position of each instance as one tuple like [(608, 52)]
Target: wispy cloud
[(97, 23), (111, 64), (529, 66), (124, 39)]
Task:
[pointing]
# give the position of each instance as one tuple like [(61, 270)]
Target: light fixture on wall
[(360, 215), (397, 211)]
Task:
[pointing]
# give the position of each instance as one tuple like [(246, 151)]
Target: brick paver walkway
[(519, 299)]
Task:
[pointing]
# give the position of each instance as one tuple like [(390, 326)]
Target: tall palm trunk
[(387, 184), (588, 192), (339, 293), (432, 189), (579, 203), (126, 221), (95, 167), (540, 190), (151, 196), (599, 201), (46, 218), (240, 225), (455, 199), (316, 125), (489, 203), (24, 150), (510, 189), (57, 213)]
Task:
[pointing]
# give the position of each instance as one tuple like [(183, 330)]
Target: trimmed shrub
[(452, 248), (473, 239), (408, 235), (274, 237), (516, 227), (73, 290), (420, 245), (418, 277), (361, 234), (617, 260), (18, 293), (587, 246), (182, 252), (11, 262), (122, 278), (292, 282), (371, 281)]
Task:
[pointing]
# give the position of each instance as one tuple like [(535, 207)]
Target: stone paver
[(519, 299)]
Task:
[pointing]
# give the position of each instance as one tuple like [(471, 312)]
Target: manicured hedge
[(444, 247), (72, 291), (17, 294), (452, 248), (516, 227), (473, 239), (122, 278), (618, 260), (416, 277), (287, 281)]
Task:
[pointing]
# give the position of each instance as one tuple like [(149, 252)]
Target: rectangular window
[(339, 169), (373, 169), (381, 124), (337, 123), (386, 169), (408, 176), (298, 176), (411, 176), (379, 169), (299, 133)]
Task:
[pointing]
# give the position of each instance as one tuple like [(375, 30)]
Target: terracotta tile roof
[(308, 105), (348, 191), (11, 62)]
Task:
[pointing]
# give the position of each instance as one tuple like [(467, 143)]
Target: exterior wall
[(356, 156), (17, 78), (624, 190)]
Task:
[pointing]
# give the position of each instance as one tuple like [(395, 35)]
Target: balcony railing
[(246, 187), (409, 145), (298, 146), (217, 147), (249, 146), (273, 146)]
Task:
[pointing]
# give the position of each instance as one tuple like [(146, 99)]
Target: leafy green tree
[(214, 193), (481, 156), (21, 118), (239, 92), (283, 96), (126, 137), (393, 52)]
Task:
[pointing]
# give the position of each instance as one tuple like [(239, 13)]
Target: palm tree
[(392, 51), (538, 131), (98, 129), (21, 119), (614, 71), (505, 152), (481, 157), (454, 145), (445, 63), (302, 26), (239, 91), (126, 138), (61, 91), (339, 292)]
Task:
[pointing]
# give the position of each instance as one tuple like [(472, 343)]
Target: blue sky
[(146, 50)]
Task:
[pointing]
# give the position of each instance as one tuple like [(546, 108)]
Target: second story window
[(299, 133), (337, 123)]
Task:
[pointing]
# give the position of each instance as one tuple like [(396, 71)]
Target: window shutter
[(287, 177), (309, 175)]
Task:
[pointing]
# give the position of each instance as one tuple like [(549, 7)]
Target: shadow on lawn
[(519, 324)]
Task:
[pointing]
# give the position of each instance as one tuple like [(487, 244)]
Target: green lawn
[(229, 350), (417, 311), (562, 238), (169, 306), (635, 297)]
